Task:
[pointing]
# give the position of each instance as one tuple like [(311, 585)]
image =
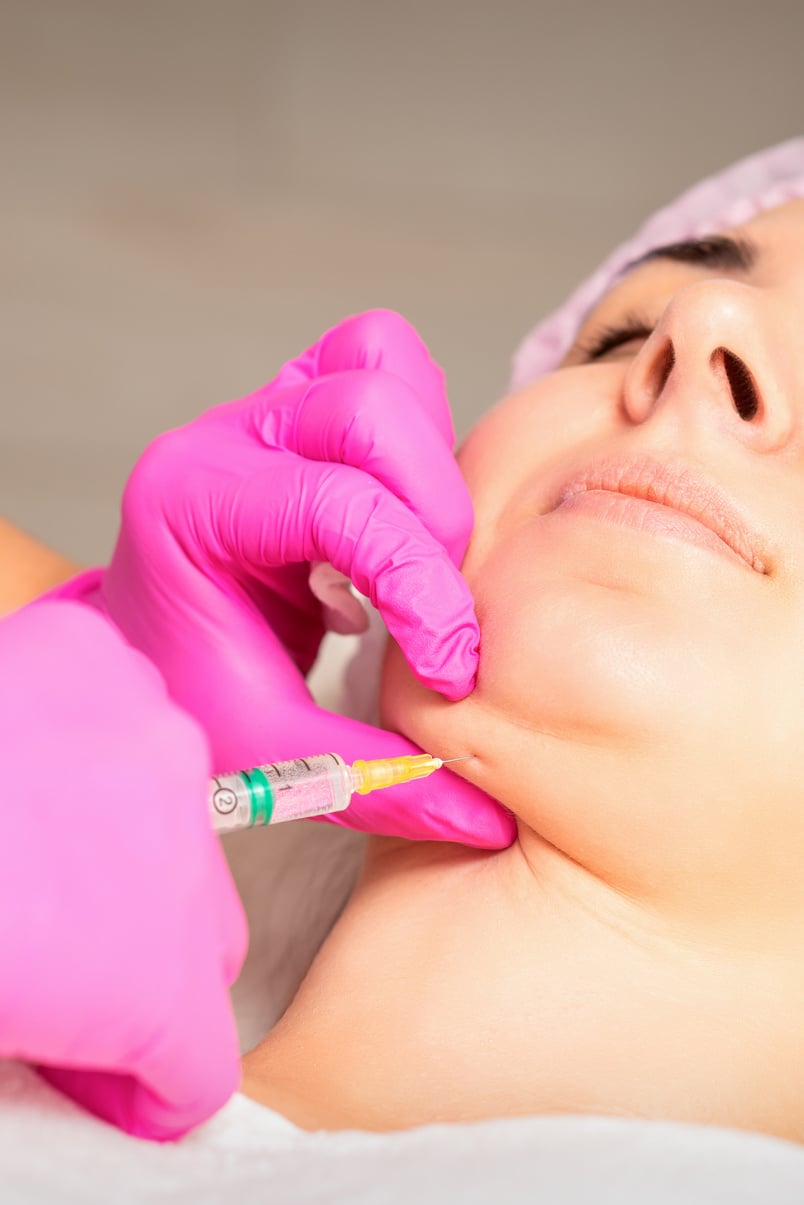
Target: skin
[(27, 568), (640, 709)]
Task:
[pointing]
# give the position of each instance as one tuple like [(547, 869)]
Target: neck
[(460, 985)]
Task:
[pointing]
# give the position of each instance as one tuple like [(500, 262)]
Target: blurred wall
[(193, 190)]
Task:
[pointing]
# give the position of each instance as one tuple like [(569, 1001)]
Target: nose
[(721, 354)]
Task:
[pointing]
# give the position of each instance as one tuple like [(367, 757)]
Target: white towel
[(51, 1153)]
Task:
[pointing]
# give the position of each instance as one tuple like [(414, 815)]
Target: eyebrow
[(718, 252)]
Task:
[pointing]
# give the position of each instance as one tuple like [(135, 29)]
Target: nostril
[(741, 383), (660, 366), (665, 365)]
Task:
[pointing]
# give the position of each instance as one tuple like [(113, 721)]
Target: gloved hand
[(120, 927), (345, 457)]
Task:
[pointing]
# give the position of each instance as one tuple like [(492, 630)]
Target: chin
[(582, 637)]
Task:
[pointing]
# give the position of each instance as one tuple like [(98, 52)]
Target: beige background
[(192, 191)]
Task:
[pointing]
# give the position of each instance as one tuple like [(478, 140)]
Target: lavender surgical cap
[(732, 197)]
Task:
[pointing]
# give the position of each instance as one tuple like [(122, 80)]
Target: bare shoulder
[(27, 567)]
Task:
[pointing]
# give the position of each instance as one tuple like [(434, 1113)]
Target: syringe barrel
[(279, 791)]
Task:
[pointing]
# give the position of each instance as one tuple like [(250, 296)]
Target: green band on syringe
[(260, 794)]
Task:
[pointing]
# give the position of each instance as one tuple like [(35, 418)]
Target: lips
[(674, 485)]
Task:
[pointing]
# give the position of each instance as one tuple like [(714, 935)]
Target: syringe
[(307, 786)]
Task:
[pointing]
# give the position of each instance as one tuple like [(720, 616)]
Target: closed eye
[(610, 338)]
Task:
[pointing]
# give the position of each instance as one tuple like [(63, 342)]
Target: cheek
[(526, 436), (563, 653)]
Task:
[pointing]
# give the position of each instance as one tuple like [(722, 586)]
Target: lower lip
[(641, 515)]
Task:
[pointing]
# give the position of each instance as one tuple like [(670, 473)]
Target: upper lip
[(673, 484)]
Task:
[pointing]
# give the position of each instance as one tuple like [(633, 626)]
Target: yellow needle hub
[(370, 776)]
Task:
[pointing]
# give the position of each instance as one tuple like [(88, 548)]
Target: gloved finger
[(181, 1089), (376, 340), (370, 420), (335, 513), (182, 1078), (442, 807)]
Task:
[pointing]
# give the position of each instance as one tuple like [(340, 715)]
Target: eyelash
[(611, 337)]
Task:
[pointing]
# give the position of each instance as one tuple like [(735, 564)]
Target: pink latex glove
[(345, 457), (120, 927)]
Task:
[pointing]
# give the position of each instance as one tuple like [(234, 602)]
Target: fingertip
[(491, 827), (383, 339), (452, 689), (367, 340), (454, 674), (502, 831)]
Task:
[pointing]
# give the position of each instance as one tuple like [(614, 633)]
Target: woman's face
[(640, 700)]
